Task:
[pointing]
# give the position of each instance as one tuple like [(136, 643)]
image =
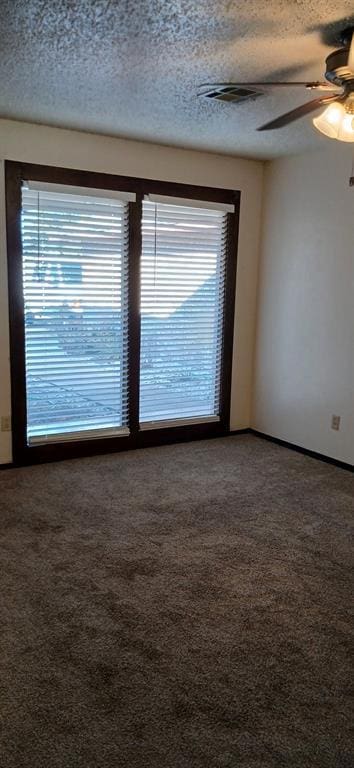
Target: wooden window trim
[(15, 174)]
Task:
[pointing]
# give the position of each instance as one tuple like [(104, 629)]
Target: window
[(182, 307), (75, 249), (121, 310)]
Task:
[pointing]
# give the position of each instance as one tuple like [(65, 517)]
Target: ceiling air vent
[(232, 93)]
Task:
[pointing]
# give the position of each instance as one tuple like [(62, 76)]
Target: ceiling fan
[(338, 120)]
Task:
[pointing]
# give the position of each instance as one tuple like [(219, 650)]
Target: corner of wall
[(246, 303), (267, 166)]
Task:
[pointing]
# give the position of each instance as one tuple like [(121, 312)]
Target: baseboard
[(277, 440), (244, 431), (305, 451)]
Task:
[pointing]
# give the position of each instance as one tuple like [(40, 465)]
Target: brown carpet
[(178, 606)]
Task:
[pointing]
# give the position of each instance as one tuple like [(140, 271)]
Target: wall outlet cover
[(335, 423), (5, 424)]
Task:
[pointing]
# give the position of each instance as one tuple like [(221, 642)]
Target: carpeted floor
[(177, 607)]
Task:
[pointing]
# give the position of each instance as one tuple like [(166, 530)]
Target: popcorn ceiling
[(132, 69)]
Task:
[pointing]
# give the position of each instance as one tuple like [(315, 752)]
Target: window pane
[(182, 303), (75, 250)]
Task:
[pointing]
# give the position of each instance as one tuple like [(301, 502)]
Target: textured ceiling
[(132, 68)]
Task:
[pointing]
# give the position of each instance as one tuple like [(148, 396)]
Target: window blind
[(182, 307), (75, 282)]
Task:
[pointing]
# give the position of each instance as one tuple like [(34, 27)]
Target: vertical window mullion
[(135, 239), (229, 316)]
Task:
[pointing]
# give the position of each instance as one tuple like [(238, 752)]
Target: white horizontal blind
[(182, 307), (75, 251)]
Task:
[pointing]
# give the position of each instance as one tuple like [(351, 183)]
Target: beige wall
[(304, 362), (51, 146)]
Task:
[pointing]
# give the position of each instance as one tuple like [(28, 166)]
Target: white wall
[(50, 146), (304, 361)]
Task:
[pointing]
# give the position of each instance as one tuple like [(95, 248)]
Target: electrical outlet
[(335, 423), (5, 424)]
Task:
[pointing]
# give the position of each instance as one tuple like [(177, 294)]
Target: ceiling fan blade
[(322, 86), (331, 33), (295, 114)]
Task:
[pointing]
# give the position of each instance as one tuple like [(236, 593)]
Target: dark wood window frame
[(15, 174)]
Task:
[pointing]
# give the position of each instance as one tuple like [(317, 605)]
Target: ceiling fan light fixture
[(336, 122)]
